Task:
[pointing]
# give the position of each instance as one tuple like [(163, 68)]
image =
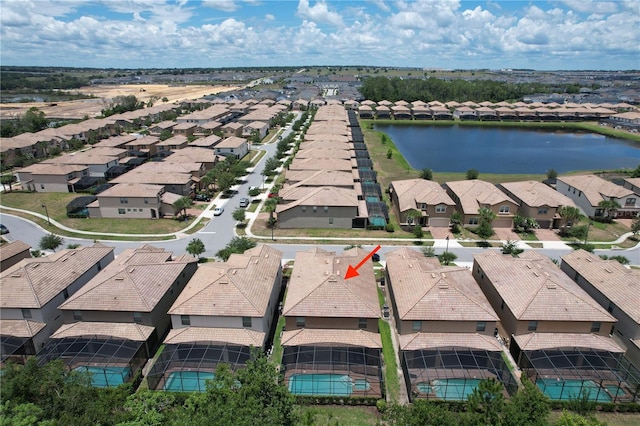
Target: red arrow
[(353, 272)]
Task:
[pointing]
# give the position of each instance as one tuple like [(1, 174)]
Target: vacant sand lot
[(92, 107)]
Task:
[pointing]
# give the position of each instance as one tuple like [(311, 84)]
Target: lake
[(509, 150)]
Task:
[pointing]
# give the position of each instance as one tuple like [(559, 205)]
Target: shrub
[(381, 405), (390, 227)]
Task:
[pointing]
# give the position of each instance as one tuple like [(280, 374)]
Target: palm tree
[(486, 215), (270, 206), (609, 207), (412, 215), (570, 214)]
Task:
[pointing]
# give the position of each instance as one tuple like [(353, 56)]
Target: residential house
[(331, 325), (197, 159), (208, 142), (217, 112), (32, 290), (145, 145), (446, 326), (321, 207), (172, 176), (232, 146), (158, 128), (174, 143), (472, 195), (97, 163), (538, 201), (315, 178), (43, 177), (260, 128), (425, 197), (232, 129), (633, 184), (13, 252), (129, 200), (588, 191), (185, 129)]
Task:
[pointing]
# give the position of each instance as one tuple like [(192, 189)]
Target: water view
[(509, 150)]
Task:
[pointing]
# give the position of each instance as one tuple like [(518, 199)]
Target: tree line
[(380, 88)]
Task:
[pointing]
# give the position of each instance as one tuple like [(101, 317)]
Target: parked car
[(218, 211), (3, 229), (244, 202), (203, 197), (385, 311)]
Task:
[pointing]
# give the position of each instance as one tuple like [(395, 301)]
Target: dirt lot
[(91, 107)]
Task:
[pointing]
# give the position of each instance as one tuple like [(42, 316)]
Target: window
[(146, 201), (326, 209), (441, 208), (362, 323), (304, 209), (417, 326), (533, 326), (65, 293), (315, 209), (26, 314), (503, 210), (121, 211), (595, 326), (423, 206), (473, 221), (185, 319), (330, 221), (542, 210), (124, 200), (481, 325), (41, 186), (300, 322), (501, 303), (77, 316), (246, 322), (137, 317), (630, 202), (610, 307)]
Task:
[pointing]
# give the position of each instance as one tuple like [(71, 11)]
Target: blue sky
[(556, 34)]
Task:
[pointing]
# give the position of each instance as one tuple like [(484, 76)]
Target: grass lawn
[(338, 415), (391, 367), (276, 355), (611, 419), (604, 232)]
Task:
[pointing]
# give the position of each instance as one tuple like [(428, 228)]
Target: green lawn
[(276, 355), (337, 415), (392, 381)]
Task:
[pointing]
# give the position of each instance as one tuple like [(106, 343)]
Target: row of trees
[(121, 104), (33, 120)]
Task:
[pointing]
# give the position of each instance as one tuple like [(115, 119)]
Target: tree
[(609, 208), (50, 242), (225, 181), (456, 221), (635, 225), (181, 205), (472, 174), (239, 214), (524, 224), (447, 257), (552, 175), (570, 214), (572, 419), (270, 205), (418, 232), (429, 251), (390, 154), (636, 172), (165, 134), (236, 245), (527, 407), (412, 215), (484, 230), (486, 403), (148, 408), (270, 166), (7, 180), (195, 247), (426, 174), (511, 247), (486, 215), (33, 121)]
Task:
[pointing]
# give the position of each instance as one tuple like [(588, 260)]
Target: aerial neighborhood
[(413, 323)]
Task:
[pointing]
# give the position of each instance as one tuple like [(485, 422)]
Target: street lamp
[(446, 251), (47, 212), (587, 233)]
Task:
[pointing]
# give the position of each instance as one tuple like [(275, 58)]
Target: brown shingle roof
[(239, 287), (538, 341), (413, 191), (535, 289), (424, 290), (20, 328), (235, 336), (120, 330), (32, 283), (318, 289), (232, 142), (325, 337), (537, 194), (12, 248), (135, 281), (617, 283), (417, 341), (132, 190)]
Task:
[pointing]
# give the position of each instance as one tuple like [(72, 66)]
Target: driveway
[(547, 235)]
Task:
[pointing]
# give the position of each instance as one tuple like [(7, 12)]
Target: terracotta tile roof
[(539, 341), (232, 142), (330, 196), (234, 336), (411, 192), (339, 154), (633, 181), (319, 178), (618, 284), (325, 337), (134, 282), (537, 194), (595, 188), (32, 283), (20, 328), (239, 287), (193, 155), (329, 139), (424, 290), (318, 289), (417, 341), (8, 250), (119, 330), (475, 193), (320, 164), (52, 169), (132, 190), (543, 291)]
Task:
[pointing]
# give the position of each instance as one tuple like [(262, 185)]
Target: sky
[(447, 34)]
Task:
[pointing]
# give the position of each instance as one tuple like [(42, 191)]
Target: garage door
[(439, 222), (502, 223)]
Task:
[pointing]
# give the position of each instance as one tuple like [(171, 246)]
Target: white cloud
[(591, 6), (319, 13), (381, 5), (224, 5), (269, 17)]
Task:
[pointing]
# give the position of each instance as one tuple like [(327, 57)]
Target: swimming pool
[(188, 381), (321, 384), (563, 390), (449, 389), (106, 377)]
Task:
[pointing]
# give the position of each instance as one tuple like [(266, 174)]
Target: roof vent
[(333, 279), (223, 280), (35, 265), (338, 261), (608, 270), (16, 275), (536, 274), (443, 275), (443, 284), (255, 261), (528, 266), (131, 270), (119, 278), (410, 265), (433, 275), (588, 260), (551, 285)]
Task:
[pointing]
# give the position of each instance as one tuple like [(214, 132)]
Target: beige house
[(128, 200), (12, 253), (232, 146), (173, 143), (472, 195), (615, 287), (259, 127), (179, 182), (538, 201), (185, 129), (232, 129), (588, 191), (314, 178), (208, 142), (41, 177), (532, 295), (32, 290), (321, 207), (633, 184), (424, 196), (323, 164)]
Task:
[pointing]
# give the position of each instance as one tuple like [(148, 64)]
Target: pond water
[(509, 150)]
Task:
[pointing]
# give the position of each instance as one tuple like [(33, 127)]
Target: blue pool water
[(564, 390), (361, 385), (321, 384), (188, 381), (106, 377), (450, 389)]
